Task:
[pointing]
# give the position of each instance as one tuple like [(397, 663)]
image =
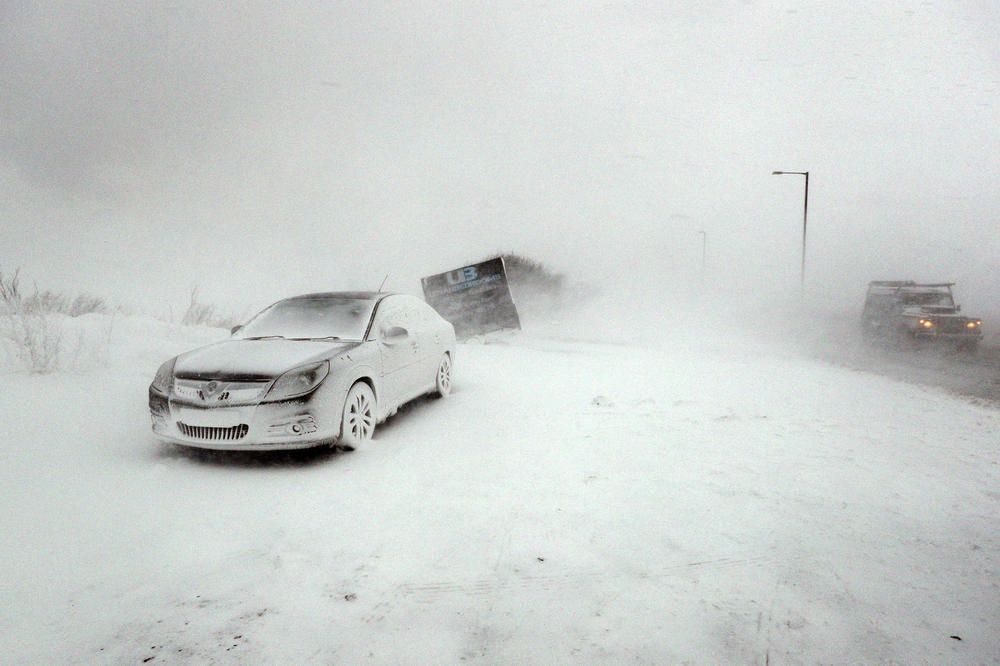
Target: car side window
[(427, 313), (410, 314), (416, 310), (402, 310), (388, 314)]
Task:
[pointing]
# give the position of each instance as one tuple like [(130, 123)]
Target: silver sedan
[(309, 370)]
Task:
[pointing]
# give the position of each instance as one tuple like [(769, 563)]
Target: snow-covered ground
[(711, 500)]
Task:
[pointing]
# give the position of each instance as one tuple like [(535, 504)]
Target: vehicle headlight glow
[(298, 381), (973, 324), (164, 379), (926, 323)]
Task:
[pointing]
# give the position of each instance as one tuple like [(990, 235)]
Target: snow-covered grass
[(33, 331), (46, 331), (200, 313), (702, 499)]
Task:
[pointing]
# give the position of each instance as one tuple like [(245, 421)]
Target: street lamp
[(805, 210)]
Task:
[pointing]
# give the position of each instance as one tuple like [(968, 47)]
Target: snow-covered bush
[(541, 294), (205, 314), (28, 336), (34, 340), (530, 275), (34, 330), (47, 302), (51, 302)]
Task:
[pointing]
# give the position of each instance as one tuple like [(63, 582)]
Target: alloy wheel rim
[(444, 374), (360, 417)]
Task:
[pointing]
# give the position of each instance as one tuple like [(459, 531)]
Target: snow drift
[(704, 499)]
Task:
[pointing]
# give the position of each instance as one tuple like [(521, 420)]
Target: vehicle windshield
[(881, 302), (935, 298), (315, 317)]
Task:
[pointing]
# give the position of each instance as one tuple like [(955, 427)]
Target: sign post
[(475, 299)]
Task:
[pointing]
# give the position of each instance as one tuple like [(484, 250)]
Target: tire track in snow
[(432, 591)]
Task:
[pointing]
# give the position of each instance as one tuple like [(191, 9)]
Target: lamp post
[(805, 211)]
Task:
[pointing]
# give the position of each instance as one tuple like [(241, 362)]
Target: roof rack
[(907, 284), (891, 283)]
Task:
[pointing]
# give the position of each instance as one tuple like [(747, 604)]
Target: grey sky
[(259, 151)]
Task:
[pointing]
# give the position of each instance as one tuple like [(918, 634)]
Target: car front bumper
[(958, 337), (290, 424)]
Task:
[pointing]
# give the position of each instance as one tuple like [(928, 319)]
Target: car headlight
[(298, 381), (164, 379)]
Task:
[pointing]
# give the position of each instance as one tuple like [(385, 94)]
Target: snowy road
[(971, 374), (705, 502)]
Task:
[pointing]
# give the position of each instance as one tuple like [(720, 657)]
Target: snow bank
[(91, 341), (711, 500)]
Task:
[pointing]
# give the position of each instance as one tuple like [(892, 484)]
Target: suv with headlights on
[(906, 310)]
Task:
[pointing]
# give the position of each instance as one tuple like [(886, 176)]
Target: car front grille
[(953, 326), (214, 433), (223, 391)]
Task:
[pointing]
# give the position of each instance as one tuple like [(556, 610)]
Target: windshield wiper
[(266, 337), (325, 337)]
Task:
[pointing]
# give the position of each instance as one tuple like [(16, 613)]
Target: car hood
[(935, 311), (254, 359)]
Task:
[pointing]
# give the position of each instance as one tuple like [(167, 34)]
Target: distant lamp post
[(805, 211)]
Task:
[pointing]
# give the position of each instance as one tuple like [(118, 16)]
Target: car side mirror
[(394, 335), (234, 329)]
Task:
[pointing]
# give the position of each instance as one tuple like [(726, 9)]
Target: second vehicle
[(909, 310)]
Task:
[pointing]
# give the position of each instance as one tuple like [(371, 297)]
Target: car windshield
[(314, 317), (937, 298), (881, 301)]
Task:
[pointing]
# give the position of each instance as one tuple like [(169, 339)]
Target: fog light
[(300, 425)]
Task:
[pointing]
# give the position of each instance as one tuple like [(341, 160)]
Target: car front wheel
[(359, 416), (442, 382)]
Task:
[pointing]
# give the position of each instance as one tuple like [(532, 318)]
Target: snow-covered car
[(310, 370)]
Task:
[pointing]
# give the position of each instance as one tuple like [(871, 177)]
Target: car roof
[(358, 295), (907, 286)]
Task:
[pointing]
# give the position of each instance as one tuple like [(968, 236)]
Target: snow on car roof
[(359, 295), (909, 286), (936, 288)]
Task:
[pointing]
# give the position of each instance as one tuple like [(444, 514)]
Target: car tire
[(442, 380), (358, 424)]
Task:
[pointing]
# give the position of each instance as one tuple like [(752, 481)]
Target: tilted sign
[(475, 299)]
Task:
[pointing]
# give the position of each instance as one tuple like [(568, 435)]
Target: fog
[(257, 152)]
